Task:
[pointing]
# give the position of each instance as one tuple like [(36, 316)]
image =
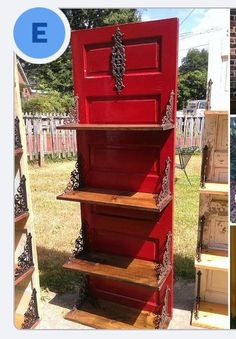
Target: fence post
[(41, 144)]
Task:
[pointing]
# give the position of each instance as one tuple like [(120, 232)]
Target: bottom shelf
[(212, 316), (107, 315)]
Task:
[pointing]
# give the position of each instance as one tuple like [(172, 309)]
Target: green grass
[(57, 223)]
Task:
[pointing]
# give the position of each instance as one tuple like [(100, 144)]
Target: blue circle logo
[(41, 34)]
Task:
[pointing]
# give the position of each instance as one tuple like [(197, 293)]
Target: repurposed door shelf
[(125, 82)]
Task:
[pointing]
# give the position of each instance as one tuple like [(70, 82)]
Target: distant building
[(25, 88)]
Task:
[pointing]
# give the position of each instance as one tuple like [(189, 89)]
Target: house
[(25, 88)]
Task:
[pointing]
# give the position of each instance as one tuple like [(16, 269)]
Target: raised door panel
[(214, 286), (150, 72)]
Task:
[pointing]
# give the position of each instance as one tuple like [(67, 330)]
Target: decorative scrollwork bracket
[(118, 60), (201, 224), (205, 157), (73, 113), (75, 178), (25, 260), (80, 242), (165, 187), (17, 134), (168, 117), (208, 96), (21, 198), (198, 298), (164, 268), (31, 316), (160, 320)]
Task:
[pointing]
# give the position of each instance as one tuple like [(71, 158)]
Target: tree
[(57, 75), (192, 77)]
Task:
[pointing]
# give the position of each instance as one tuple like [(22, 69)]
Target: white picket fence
[(44, 139)]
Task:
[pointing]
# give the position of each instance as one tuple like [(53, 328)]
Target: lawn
[(57, 223)]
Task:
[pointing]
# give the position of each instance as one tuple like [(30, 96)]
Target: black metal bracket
[(118, 59), (80, 242), (205, 158), (201, 224), (161, 319), (168, 117), (17, 134), (21, 206), (73, 113), (208, 96), (25, 260), (75, 178), (31, 316), (164, 268), (198, 298), (165, 186)]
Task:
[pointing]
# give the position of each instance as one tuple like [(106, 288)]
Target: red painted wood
[(132, 161)]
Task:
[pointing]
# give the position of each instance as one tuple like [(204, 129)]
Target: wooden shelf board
[(212, 316), (215, 188), (19, 319), (24, 276), (21, 218), (216, 260), (137, 200), (18, 151), (131, 270), (216, 112), (116, 127), (107, 315)]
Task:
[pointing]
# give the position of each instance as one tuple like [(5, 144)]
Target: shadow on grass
[(184, 267), (51, 273)]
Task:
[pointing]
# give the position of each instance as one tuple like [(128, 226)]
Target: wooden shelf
[(18, 151), (107, 315), (131, 270), (212, 316), (24, 276), (116, 127), (96, 196), (216, 260), (215, 188), (21, 218), (216, 112)]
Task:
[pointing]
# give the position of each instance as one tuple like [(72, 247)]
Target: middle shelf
[(137, 200), (136, 271)]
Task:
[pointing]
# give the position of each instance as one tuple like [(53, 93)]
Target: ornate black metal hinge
[(164, 268), (165, 186), (198, 298), (17, 134), (168, 117), (160, 320), (118, 60), (21, 206), (80, 242), (208, 96), (75, 178), (201, 224), (25, 260), (31, 316), (205, 157), (73, 113)]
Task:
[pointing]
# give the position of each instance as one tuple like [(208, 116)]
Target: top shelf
[(116, 127), (216, 112)]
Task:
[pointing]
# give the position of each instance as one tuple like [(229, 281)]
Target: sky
[(197, 26)]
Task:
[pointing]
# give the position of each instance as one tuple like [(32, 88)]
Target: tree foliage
[(192, 77), (57, 75)]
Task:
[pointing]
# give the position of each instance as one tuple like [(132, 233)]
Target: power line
[(187, 16)]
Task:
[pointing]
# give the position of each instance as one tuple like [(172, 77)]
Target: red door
[(127, 74)]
